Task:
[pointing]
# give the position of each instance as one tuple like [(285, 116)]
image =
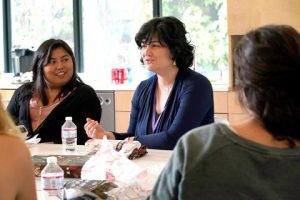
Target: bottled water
[(69, 135), (52, 180)]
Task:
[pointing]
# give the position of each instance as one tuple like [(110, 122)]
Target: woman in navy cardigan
[(173, 101)]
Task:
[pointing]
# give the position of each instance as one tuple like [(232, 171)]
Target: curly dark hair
[(267, 68), (41, 59), (170, 31)]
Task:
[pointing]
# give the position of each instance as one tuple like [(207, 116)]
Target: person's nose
[(146, 50), (59, 65)]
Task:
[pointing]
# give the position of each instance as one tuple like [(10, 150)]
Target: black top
[(80, 104)]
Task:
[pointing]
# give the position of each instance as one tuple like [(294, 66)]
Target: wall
[(245, 15)]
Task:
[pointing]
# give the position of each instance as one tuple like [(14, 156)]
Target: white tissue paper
[(140, 187), (124, 146), (108, 164)]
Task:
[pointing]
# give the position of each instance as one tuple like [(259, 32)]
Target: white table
[(153, 157)]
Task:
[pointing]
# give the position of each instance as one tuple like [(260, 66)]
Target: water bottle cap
[(51, 159), (68, 118)]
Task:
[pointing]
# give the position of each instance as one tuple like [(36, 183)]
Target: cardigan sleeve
[(15, 103), (195, 100)]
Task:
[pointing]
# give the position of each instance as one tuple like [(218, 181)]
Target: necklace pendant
[(40, 111)]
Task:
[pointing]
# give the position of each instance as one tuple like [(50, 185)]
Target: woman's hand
[(94, 130), (130, 139)]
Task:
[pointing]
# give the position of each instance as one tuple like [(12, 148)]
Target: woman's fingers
[(93, 129), (93, 133), (90, 128)]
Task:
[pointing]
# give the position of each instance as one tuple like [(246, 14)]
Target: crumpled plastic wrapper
[(131, 149), (140, 187), (87, 189), (108, 164)]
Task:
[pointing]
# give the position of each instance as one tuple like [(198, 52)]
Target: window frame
[(77, 33), (77, 28), (7, 36)]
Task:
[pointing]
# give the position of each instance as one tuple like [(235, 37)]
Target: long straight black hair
[(41, 59)]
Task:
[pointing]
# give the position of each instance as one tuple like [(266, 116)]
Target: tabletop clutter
[(105, 172)]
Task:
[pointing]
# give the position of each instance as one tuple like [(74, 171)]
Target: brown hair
[(267, 68)]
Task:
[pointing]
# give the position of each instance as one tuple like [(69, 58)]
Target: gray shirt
[(212, 162)]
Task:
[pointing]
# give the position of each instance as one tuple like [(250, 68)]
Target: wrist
[(110, 135)]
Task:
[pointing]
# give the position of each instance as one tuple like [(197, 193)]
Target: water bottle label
[(69, 133), (52, 183)]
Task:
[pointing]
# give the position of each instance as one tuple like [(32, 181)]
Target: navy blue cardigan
[(189, 105)]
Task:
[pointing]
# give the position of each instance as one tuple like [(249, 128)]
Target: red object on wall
[(121, 73), (118, 75), (114, 76)]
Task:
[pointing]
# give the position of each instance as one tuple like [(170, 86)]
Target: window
[(206, 22), (101, 32), (1, 44), (109, 27), (33, 21)]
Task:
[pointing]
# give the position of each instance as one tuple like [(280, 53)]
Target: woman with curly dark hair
[(174, 100), (259, 157)]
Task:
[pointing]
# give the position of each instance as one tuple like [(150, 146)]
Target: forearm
[(157, 141)]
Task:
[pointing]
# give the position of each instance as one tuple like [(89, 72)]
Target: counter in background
[(98, 84)]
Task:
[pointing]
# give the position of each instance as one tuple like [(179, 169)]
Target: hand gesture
[(94, 130)]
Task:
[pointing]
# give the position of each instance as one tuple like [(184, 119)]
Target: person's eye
[(52, 62), (65, 60), (155, 45)]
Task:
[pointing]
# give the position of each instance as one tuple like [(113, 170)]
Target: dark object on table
[(120, 145), (71, 164), (138, 152), (95, 186)]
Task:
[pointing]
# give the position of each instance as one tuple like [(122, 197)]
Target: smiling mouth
[(61, 74)]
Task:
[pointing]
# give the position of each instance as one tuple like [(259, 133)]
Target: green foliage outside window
[(206, 22)]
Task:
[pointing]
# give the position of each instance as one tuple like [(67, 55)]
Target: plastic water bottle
[(52, 180), (69, 135)]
